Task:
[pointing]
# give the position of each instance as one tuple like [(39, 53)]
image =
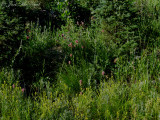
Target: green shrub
[(11, 32), (39, 58)]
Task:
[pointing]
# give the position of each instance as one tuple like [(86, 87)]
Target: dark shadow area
[(79, 14), (41, 64)]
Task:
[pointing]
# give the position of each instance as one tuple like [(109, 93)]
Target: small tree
[(12, 26)]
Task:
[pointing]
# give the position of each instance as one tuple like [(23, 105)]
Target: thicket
[(71, 59)]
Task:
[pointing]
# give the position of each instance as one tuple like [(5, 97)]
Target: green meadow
[(79, 60)]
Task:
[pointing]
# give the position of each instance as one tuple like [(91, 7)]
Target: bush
[(39, 58), (11, 32), (80, 15), (120, 21)]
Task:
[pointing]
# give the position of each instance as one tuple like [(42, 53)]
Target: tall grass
[(80, 72)]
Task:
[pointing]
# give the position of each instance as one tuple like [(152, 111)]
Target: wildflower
[(80, 93), (62, 35), (23, 90), (69, 62), (82, 47), (80, 82), (27, 37), (77, 23), (13, 86), (103, 72), (102, 31), (76, 41), (82, 23), (70, 45), (70, 55)]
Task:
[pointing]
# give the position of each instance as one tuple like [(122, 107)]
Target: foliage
[(39, 57), (12, 31), (80, 14), (120, 20), (106, 70)]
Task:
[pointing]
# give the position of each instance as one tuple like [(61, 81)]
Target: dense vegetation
[(79, 59)]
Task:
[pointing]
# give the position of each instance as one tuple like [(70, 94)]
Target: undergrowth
[(105, 66)]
